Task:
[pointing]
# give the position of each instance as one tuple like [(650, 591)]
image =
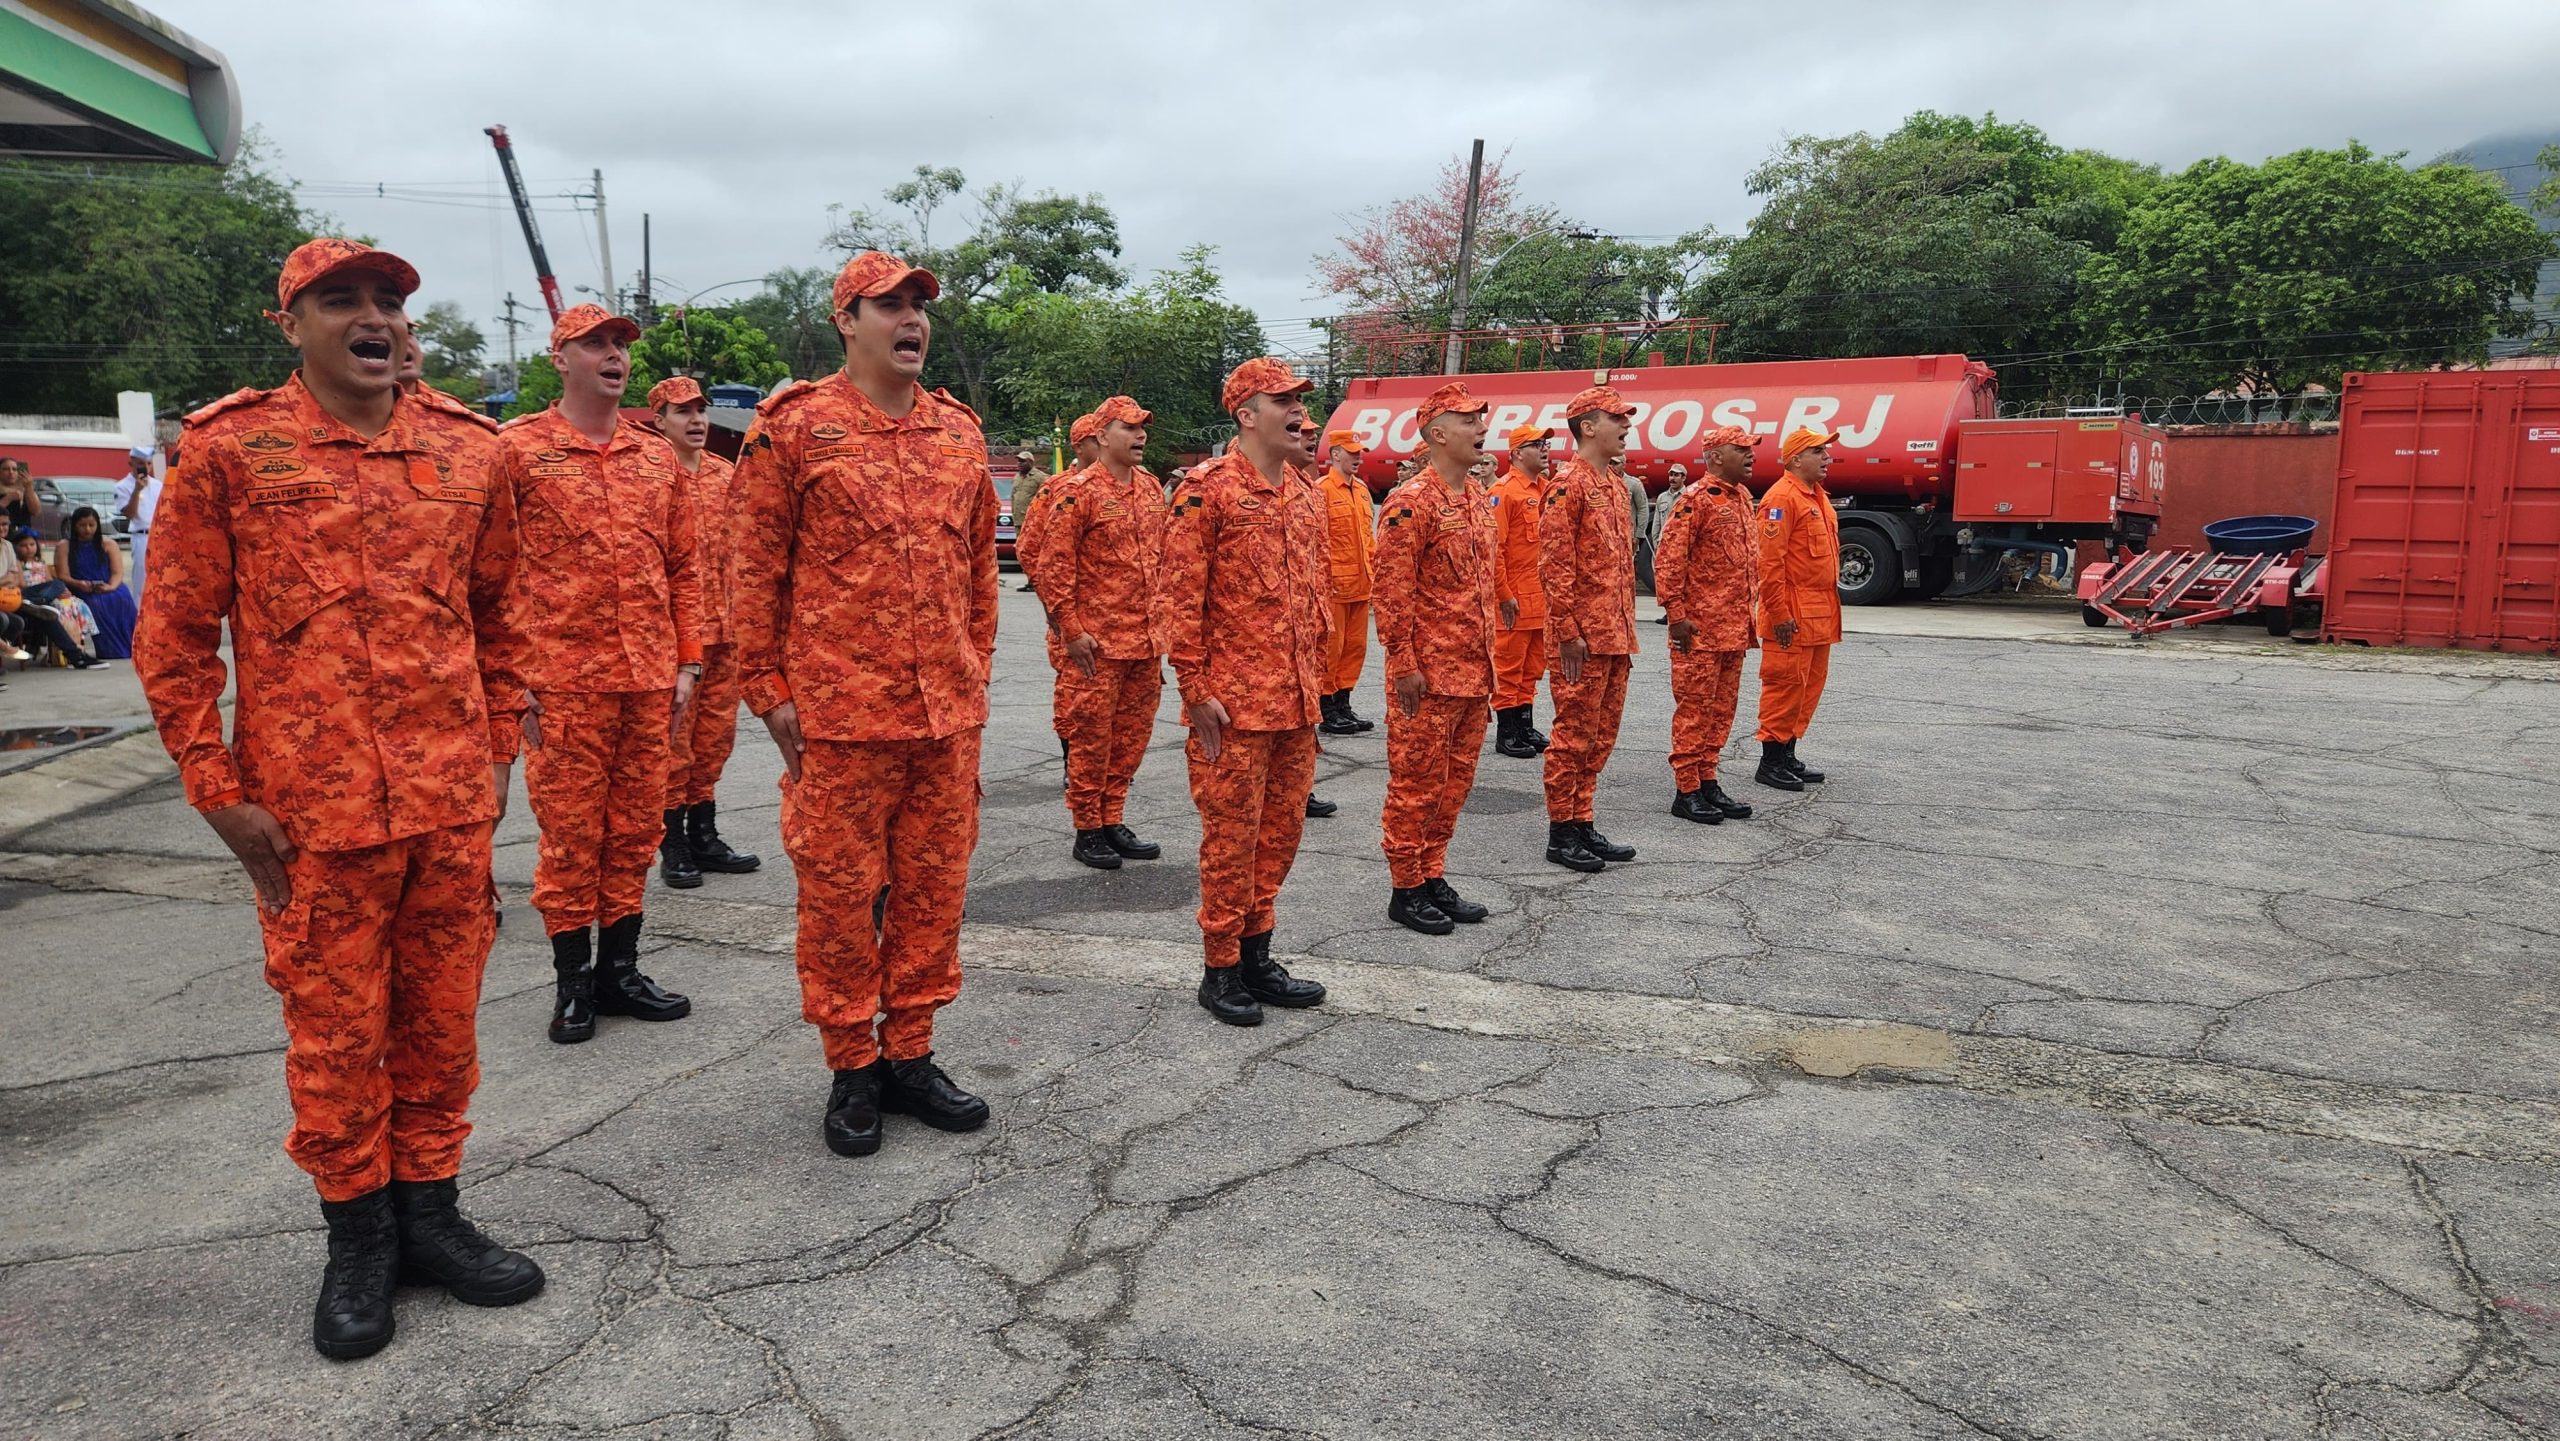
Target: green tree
[(454, 346), (537, 385), (794, 310), (1168, 344), (2546, 195), (2279, 276), (715, 347), (141, 277)]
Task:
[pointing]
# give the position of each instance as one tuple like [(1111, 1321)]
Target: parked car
[(1006, 557), (57, 496)]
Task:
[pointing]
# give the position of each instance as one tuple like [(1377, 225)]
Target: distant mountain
[(2512, 159)]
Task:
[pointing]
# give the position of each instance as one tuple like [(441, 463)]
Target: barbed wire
[(2314, 407)]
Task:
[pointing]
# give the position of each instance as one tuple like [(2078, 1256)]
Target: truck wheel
[(2093, 618), (1870, 568), (2279, 620)]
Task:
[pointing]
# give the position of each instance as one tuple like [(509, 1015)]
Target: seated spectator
[(50, 613), (94, 567)]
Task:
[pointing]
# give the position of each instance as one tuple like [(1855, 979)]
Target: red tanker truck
[(1932, 488)]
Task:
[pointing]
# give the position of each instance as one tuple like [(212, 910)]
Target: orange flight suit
[(1348, 526), (1706, 571), (1435, 615), (1799, 581), (1246, 617), (1520, 648), (870, 605), (700, 749), (1103, 539), (364, 583), (1587, 564), (609, 596)]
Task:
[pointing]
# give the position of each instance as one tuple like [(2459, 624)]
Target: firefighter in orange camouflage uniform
[(1520, 645), (342, 530), (700, 749), (1706, 570), (1586, 565), (1799, 604), (1436, 624), (1030, 532), (609, 596), (1350, 525), (864, 628), (1244, 608), (1104, 534)]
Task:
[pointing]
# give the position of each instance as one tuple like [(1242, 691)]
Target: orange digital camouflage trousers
[(598, 783), (1585, 731), (1519, 658), (378, 959), (1431, 765), (868, 815), (1791, 682), (1253, 805), (1350, 644), (1106, 721), (701, 747), (1705, 687)]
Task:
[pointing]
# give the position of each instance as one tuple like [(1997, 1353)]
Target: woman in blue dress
[(94, 567)]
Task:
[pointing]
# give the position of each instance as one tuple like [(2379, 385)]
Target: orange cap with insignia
[(1523, 434), (1730, 435), (1261, 375), (1085, 427), (1345, 440), (587, 319), (876, 272), (1122, 409), (1450, 399), (682, 390), (315, 260), (1800, 440), (1600, 398)]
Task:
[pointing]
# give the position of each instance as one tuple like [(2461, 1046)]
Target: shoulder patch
[(1400, 515), (233, 401), (1190, 501)]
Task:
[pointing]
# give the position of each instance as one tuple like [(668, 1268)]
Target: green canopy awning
[(103, 79)]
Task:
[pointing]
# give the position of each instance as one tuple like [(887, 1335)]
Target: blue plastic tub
[(2260, 534)]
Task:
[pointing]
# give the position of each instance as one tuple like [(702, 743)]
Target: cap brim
[(932, 285), (399, 272)]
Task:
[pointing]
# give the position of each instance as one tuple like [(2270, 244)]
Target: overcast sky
[(1263, 130)]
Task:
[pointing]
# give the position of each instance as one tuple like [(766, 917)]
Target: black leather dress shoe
[(919, 1088), (1693, 806), (853, 1112), (1094, 849), (1222, 994), (1456, 907), (1269, 982), (1126, 842), (1411, 908), (1319, 809), (1603, 847)]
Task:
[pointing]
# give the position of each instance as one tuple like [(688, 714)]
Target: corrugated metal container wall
[(2446, 525)]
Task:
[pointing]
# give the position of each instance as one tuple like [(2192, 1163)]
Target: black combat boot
[(1511, 733), (1342, 698), (573, 1006), (853, 1112), (1565, 848), (1411, 908), (921, 1089), (1093, 847), (1337, 716), (710, 853), (675, 856), (1529, 727), (1804, 773), (1269, 982), (1714, 795), (438, 1247), (1774, 771), (620, 988), (353, 1315), (1126, 842), (1694, 806), (1318, 808), (1456, 907), (1222, 994), (1603, 847)]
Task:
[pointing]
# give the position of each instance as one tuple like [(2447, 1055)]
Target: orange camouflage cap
[(1346, 440), (1085, 427), (682, 390), (1122, 409), (876, 272), (1523, 434), (1261, 375), (315, 260), (1800, 440), (1730, 435), (1600, 398), (1450, 399), (584, 320)]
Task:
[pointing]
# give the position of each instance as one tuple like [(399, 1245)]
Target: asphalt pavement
[(2126, 1042)]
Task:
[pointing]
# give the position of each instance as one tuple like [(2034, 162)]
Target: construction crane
[(524, 211)]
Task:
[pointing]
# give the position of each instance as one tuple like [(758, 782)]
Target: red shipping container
[(2446, 525)]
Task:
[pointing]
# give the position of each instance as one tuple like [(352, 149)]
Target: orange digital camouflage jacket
[(1587, 560), (1243, 601), (1349, 525), (609, 594), (1102, 543), (1706, 567), (715, 531), (1516, 498), (365, 586), (1434, 585), (868, 596), (1799, 562)]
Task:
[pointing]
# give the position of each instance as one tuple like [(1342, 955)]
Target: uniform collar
[(558, 430), (923, 415), (321, 428)]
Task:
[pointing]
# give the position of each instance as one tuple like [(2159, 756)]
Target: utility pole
[(512, 324), (604, 248), (1455, 352), (646, 303)]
